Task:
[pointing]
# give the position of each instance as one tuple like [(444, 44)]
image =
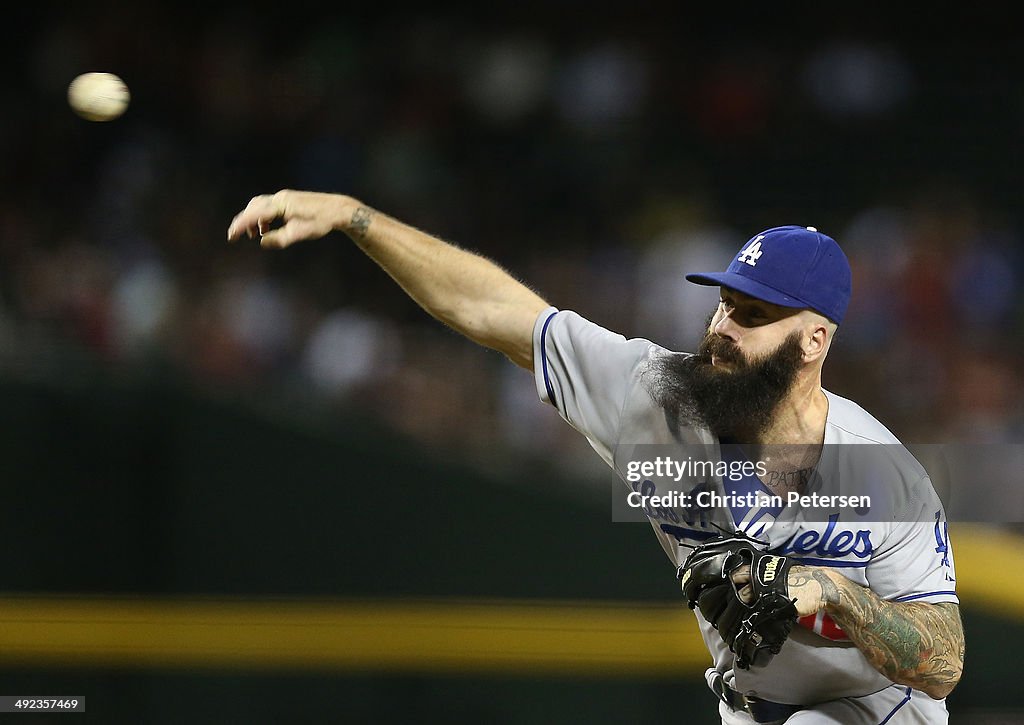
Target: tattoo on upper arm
[(361, 219)]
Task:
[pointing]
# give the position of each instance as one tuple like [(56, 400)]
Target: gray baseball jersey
[(596, 380)]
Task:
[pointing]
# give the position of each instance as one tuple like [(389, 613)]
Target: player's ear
[(817, 335)]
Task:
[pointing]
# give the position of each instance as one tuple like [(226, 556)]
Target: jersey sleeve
[(586, 373), (916, 561)]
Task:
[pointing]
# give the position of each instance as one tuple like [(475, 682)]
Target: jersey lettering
[(753, 252), (824, 545)]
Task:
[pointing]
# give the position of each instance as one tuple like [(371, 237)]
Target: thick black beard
[(736, 403)]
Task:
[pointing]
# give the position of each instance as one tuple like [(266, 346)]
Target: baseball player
[(812, 613)]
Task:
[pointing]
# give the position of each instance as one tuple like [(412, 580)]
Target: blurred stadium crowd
[(598, 161)]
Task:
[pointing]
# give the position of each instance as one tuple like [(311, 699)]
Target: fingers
[(741, 575), (303, 215), (255, 219), (741, 581), (294, 230), (276, 239)]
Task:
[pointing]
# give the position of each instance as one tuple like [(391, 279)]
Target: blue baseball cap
[(790, 266)]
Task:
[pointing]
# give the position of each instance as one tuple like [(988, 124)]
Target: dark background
[(184, 417)]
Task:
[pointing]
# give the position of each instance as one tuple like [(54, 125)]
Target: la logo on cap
[(753, 252), (805, 268)]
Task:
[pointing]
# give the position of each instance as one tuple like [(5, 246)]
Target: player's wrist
[(813, 589), (345, 209), (355, 219)]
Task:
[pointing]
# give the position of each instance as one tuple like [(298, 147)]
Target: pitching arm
[(464, 290)]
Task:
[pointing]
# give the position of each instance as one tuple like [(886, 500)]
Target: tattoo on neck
[(361, 219)]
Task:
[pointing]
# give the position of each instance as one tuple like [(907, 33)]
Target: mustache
[(720, 347)]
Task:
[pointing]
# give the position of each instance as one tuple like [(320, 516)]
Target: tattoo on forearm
[(912, 643), (802, 576), (361, 219), (829, 590)]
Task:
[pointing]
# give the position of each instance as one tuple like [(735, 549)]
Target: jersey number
[(942, 541)]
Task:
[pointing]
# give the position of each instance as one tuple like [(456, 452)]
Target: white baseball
[(98, 96)]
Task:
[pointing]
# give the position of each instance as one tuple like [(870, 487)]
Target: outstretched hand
[(302, 215)]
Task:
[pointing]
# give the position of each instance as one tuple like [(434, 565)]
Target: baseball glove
[(754, 631)]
